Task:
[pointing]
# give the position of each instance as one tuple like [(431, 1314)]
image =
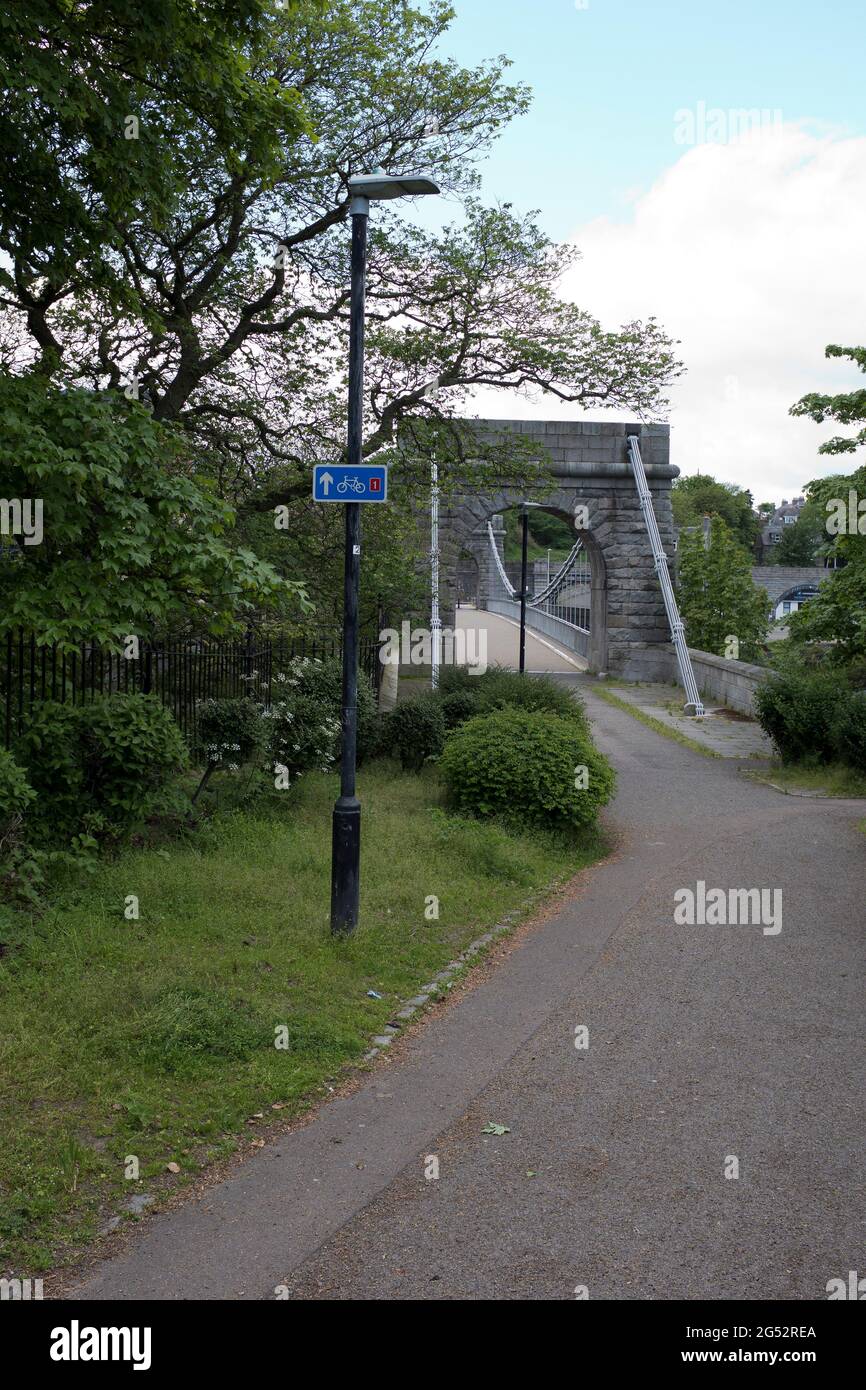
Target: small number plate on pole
[(337, 483)]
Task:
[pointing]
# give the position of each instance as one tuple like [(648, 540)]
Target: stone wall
[(724, 682)]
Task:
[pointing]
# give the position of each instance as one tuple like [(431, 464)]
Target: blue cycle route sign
[(339, 483)]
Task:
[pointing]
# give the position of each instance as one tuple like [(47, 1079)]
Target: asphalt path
[(501, 638), (712, 1049)]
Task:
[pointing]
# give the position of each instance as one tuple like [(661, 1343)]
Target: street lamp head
[(380, 186)]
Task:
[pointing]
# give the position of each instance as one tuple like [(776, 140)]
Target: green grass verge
[(832, 780), (155, 1039), (651, 723)]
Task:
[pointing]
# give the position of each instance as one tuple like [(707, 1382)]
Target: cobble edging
[(418, 1001)]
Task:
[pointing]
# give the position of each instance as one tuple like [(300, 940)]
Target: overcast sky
[(745, 238)]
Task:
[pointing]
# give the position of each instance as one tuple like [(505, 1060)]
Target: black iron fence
[(180, 673)]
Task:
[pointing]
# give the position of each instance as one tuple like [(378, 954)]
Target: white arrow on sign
[(326, 481)]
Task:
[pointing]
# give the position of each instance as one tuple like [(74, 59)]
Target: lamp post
[(346, 825), (524, 545)]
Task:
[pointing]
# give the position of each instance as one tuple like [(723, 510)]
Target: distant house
[(774, 527)]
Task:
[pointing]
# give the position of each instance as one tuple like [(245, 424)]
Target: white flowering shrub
[(303, 729), (305, 715)]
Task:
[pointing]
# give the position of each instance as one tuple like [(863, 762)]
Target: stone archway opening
[(588, 467), (571, 589)]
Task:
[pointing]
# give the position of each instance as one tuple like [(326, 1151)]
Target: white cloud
[(752, 254)]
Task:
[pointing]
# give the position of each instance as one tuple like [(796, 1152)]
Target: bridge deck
[(503, 644)]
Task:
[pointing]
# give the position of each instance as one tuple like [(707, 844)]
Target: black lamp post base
[(345, 865)]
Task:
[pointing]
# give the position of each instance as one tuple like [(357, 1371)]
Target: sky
[(744, 237)]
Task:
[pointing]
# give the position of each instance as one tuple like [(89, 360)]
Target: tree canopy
[(131, 540), (699, 495), (103, 106), (718, 598), (837, 615), (202, 266), (848, 407), (234, 261), (804, 542)]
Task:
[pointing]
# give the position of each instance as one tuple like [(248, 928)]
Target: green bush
[(525, 765), (229, 731), (50, 751), (850, 731), (415, 732), (16, 793), (458, 707), (304, 736), (499, 689), (133, 750), (17, 868), (800, 711), (107, 764), (455, 679)]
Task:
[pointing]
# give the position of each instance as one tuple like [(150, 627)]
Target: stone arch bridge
[(780, 581), (627, 632)]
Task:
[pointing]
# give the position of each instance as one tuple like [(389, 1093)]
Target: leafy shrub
[(800, 711), (17, 869), (16, 792), (415, 732), (50, 751), (303, 721), (303, 736), (458, 707), (850, 731), (229, 733), (103, 765), (455, 679), (855, 674), (133, 750), (499, 689), (523, 765)]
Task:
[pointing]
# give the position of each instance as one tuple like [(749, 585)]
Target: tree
[(103, 106), (718, 599), (235, 315), (700, 495), (129, 539), (805, 541), (837, 614), (847, 408)]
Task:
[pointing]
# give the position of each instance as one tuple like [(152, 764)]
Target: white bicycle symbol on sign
[(350, 485)]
